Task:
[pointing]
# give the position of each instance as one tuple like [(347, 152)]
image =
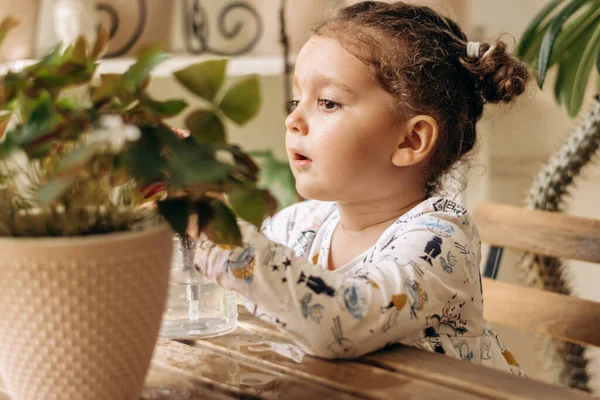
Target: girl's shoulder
[(436, 219), (438, 236), (438, 211), (304, 216)]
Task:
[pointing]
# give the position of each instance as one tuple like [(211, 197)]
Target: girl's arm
[(334, 316)]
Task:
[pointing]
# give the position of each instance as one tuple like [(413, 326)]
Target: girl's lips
[(299, 160), (298, 164)]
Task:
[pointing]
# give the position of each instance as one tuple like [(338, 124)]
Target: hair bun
[(500, 75)]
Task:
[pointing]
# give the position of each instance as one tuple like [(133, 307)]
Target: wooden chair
[(546, 233)]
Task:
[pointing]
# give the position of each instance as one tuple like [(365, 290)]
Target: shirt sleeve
[(335, 316)]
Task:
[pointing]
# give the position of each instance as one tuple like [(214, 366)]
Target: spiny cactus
[(566, 361)]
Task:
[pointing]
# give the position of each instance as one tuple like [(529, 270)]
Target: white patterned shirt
[(419, 285)]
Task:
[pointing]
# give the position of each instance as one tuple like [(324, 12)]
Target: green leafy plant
[(85, 164), (566, 35), (277, 176)]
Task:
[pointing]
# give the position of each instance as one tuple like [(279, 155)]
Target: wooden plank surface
[(443, 372), (230, 376), (540, 232), (563, 317), (163, 384), (266, 348), (466, 377)]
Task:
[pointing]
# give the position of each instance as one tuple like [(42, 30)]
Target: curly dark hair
[(420, 58)]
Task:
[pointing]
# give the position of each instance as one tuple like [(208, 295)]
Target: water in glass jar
[(196, 306), (199, 309)]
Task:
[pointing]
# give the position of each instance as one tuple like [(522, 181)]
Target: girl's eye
[(328, 105), (292, 104)]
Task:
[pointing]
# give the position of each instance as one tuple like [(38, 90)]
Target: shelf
[(237, 66)]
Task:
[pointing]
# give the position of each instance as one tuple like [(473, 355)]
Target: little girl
[(386, 99)]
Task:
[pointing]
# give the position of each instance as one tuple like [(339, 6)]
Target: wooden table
[(258, 362)]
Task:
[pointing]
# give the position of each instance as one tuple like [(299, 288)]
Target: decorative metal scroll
[(196, 28), (115, 22)]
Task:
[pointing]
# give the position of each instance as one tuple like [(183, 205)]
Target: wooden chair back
[(546, 233)]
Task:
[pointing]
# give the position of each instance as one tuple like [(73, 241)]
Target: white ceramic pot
[(79, 317)]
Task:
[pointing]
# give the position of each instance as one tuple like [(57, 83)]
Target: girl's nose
[(296, 123)]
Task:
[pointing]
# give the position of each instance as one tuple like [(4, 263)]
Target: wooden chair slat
[(562, 317), (540, 232)]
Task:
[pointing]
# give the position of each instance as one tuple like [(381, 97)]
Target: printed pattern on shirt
[(419, 284)]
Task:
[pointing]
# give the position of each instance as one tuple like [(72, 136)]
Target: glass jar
[(196, 306)]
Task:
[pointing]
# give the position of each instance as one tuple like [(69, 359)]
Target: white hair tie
[(473, 49)]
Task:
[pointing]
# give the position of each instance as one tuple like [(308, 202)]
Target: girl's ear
[(417, 141)]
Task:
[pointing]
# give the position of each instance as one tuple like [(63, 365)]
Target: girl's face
[(342, 134)]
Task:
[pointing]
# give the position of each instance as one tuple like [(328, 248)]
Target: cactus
[(567, 362)]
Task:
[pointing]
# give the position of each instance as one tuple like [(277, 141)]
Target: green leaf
[(560, 80), (42, 122), (4, 121), (9, 145), (7, 25), (223, 227), (177, 213), (249, 205), (531, 55), (570, 68), (144, 160), (550, 37), (69, 104), (204, 213), (582, 74), (53, 58), (203, 79), (277, 177), (531, 31), (190, 163), (68, 74), (146, 61), (244, 163), (80, 51), (573, 32), (169, 108), (101, 42), (111, 85), (206, 127), (242, 101), (53, 190), (188, 170), (13, 85), (598, 63)]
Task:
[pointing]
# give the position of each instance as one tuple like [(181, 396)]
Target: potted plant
[(564, 36), (89, 170)]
